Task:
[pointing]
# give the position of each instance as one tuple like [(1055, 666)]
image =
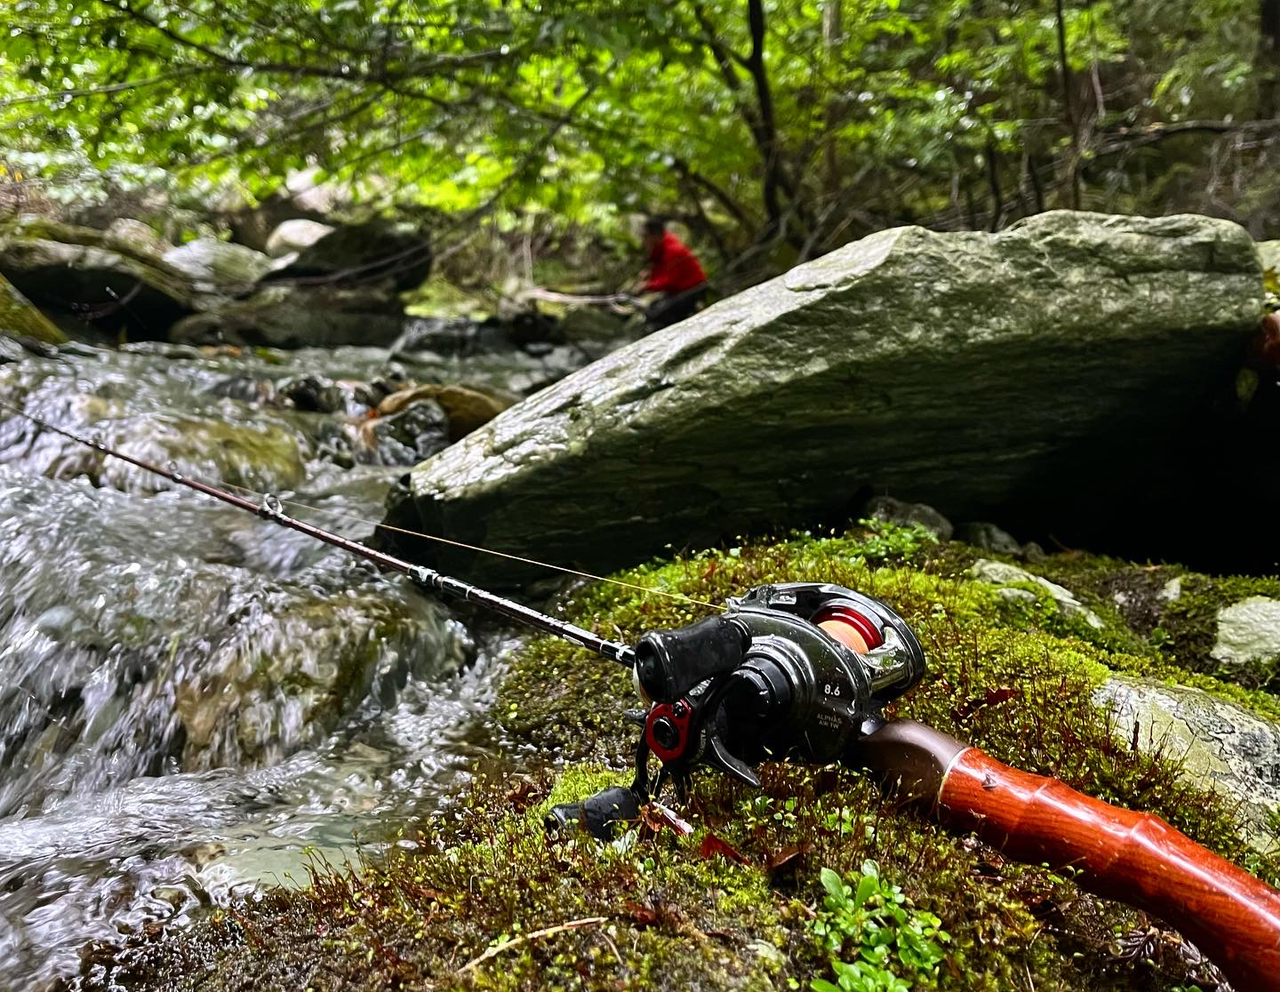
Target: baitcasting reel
[(794, 671)]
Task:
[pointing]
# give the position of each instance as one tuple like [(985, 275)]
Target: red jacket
[(673, 267)]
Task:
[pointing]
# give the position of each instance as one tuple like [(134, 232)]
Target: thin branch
[(524, 938)]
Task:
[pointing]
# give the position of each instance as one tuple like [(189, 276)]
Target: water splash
[(190, 696)]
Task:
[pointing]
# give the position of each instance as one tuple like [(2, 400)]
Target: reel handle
[(1136, 858)]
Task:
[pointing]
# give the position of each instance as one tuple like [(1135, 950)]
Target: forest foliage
[(773, 128)]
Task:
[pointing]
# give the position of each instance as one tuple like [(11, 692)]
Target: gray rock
[(1248, 631), (1003, 574), (1219, 745), (1269, 252), (910, 362), (989, 537), (295, 235), (10, 350), (219, 264), (416, 432), (137, 233), (285, 316), (375, 253), (91, 276), (895, 511)]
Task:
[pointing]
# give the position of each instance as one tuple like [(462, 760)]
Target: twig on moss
[(498, 948)]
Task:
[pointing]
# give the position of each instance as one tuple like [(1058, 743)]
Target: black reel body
[(793, 670)]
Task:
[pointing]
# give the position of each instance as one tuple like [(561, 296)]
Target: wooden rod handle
[(1137, 858)]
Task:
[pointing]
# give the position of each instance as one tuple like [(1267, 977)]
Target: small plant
[(894, 947), (890, 540)]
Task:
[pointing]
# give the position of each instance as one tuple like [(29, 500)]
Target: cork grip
[(1230, 915)]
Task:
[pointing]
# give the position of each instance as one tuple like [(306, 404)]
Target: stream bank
[(483, 898)]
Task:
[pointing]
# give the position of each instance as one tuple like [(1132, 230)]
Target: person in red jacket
[(674, 271)]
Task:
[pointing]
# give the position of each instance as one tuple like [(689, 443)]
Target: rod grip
[(1231, 916)]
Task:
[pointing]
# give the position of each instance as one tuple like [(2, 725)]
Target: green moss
[(1010, 677), (19, 317)]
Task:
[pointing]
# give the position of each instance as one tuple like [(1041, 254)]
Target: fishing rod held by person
[(803, 671)]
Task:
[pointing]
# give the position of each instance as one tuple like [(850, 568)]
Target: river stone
[(285, 316), (295, 235), (1003, 574), (468, 409), (1248, 631), (89, 275), (364, 254), (963, 370), (1218, 745), (415, 432), (19, 318), (989, 537), (895, 511), (219, 264), (137, 233)]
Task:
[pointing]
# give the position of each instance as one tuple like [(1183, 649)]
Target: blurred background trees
[(774, 130)]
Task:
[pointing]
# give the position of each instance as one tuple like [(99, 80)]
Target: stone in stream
[(293, 236), (218, 264), (468, 408), (963, 370), (81, 275)]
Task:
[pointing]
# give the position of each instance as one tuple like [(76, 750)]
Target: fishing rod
[(270, 508), (803, 671)]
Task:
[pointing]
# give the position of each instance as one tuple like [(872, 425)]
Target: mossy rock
[(19, 318), (94, 276), (486, 900)]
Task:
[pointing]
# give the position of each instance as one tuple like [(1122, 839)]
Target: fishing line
[(340, 515)]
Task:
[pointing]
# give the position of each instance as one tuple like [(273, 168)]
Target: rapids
[(193, 701)]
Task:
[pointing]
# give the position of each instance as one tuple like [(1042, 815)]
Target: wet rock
[(11, 350), (286, 316), (1033, 553), (466, 408), (899, 363), (895, 511), (263, 457), (532, 327), (136, 233), (312, 393), (294, 236), (989, 537), (1218, 745), (86, 275), (1248, 632), (1003, 574), (451, 336), (418, 431), (19, 318), (583, 325), (219, 265), (363, 255)]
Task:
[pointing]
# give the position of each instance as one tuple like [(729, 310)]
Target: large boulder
[(293, 236), (18, 318), (289, 316), (85, 275), (963, 370), (218, 265), (362, 255)]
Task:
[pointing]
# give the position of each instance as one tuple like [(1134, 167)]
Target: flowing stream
[(192, 698)]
